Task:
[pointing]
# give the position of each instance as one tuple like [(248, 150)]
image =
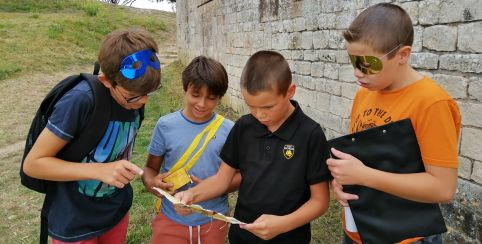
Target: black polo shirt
[(277, 170)]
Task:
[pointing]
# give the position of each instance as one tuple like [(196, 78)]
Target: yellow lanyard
[(210, 130)]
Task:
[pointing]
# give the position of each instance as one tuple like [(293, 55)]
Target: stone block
[(460, 11), (334, 122), (344, 19), (331, 71), (305, 96), (268, 10), (325, 21), (456, 86), (320, 39), (471, 145), (335, 40), (333, 87), (323, 101), (294, 40), (298, 55), (417, 39), (280, 41), (310, 55), (340, 106), (342, 57), (465, 168), (345, 126), (428, 12), (412, 9), (287, 54), (349, 90), (361, 4), (307, 40), (345, 73), (267, 42), (327, 55), (317, 69), (302, 68), (308, 82), (330, 134), (471, 113), (470, 37), (477, 172), (288, 25), (319, 84), (440, 37), (299, 24), (297, 79), (424, 60), (475, 88), (462, 62), (311, 22)]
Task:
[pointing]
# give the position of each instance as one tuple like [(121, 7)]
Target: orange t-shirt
[(434, 114)]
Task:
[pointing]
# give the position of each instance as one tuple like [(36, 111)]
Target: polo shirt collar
[(287, 129)]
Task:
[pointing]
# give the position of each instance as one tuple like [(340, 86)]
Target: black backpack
[(80, 146)]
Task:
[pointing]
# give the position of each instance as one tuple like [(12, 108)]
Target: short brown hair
[(382, 26), (206, 71), (119, 44), (264, 71)]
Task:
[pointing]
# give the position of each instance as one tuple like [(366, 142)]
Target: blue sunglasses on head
[(135, 65)]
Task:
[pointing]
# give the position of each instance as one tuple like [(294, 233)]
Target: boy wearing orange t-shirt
[(379, 44)]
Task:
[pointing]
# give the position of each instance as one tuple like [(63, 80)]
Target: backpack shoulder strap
[(95, 127), (207, 134)]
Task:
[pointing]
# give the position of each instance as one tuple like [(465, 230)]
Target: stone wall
[(447, 47)]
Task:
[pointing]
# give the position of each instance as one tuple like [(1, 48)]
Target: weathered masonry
[(448, 47)]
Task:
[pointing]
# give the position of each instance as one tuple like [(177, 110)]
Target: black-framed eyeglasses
[(139, 97)]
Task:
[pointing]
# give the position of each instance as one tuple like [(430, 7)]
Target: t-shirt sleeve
[(157, 146), (71, 113), (438, 134), (229, 153), (317, 170)]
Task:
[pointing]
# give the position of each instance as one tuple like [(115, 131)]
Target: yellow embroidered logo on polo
[(289, 151)]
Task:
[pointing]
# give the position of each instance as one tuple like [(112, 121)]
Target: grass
[(48, 36)]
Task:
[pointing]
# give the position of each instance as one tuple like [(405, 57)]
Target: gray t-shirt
[(171, 137)]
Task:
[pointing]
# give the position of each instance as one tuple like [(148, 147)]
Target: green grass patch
[(32, 5), (9, 71), (55, 30), (91, 8), (48, 36)]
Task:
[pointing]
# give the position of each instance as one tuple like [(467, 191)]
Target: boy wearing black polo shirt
[(280, 153)]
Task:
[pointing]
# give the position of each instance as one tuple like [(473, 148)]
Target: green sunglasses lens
[(366, 64)]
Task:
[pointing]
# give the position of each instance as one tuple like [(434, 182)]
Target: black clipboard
[(381, 217)]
